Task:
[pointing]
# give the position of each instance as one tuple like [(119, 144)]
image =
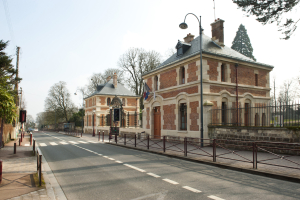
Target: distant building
[(176, 82), (98, 108)]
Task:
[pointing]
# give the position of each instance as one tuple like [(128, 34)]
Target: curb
[(224, 166)]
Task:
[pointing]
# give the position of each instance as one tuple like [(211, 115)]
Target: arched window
[(123, 101), (156, 83), (108, 101)]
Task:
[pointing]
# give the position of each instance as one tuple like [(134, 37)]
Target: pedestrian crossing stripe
[(65, 143), (83, 142), (53, 143), (43, 144)]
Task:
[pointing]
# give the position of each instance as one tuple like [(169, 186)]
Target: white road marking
[(53, 143), (191, 189), (117, 161), (111, 159), (99, 154), (73, 142), (83, 142), (43, 145), (92, 142), (133, 167), (63, 142), (215, 198), (170, 181), (105, 156), (154, 175), (26, 145)]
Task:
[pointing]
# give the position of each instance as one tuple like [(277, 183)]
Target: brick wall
[(168, 79), (189, 90), (213, 70), (132, 102), (103, 101), (149, 83), (194, 116), (169, 117), (246, 76), (191, 71)]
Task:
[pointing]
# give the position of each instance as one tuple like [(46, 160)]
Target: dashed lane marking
[(43, 145), (105, 156), (170, 181), (111, 159), (83, 142), (117, 161), (133, 167), (53, 143), (154, 175), (73, 142), (191, 189), (215, 198)]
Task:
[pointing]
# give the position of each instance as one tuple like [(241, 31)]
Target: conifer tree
[(242, 44)]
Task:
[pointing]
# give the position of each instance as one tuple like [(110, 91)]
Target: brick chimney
[(108, 78), (217, 31), (189, 38), (115, 80)]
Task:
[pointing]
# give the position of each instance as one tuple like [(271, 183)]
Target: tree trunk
[(1, 134)]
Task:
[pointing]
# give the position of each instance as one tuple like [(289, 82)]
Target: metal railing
[(262, 115), (286, 155)]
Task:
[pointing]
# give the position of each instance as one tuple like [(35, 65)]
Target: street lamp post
[(94, 122), (183, 25)]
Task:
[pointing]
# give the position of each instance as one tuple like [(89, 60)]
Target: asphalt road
[(102, 171)]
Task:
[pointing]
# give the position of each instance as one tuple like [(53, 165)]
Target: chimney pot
[(217, 30), (189, 38), (115, 80)]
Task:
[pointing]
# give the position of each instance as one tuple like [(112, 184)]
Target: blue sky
[(70, 40)]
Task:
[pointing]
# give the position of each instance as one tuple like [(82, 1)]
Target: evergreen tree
[(242, 44)]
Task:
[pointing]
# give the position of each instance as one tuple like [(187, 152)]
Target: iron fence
[(127, 120), (267, 116)]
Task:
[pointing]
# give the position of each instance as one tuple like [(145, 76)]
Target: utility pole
[(17, 74)]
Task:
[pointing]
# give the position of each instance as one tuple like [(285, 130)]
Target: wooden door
[(157, 122)]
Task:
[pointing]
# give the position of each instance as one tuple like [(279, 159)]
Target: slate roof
[(109, 89), (209, 47)]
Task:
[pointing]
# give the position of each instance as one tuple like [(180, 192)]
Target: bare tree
[(288, 91), (100, 78), (29, 122), (59, 102), (170, 52), (135, 62)]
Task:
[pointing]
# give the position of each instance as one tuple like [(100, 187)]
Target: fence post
[(185, 146), (33, 147), (99, 136), (164, 143), (15, 148), (124, 139), (147, 141), (30, 139), (116, 139), (214, 150), (19, 142), (37, 160), (254, 160), (40, 170), (134, 140), (1, 171), (255, 155), (103, 136), (135, 116)]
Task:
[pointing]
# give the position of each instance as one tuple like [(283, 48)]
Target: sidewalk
[(18, 174)]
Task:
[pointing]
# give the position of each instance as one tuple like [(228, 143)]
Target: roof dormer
[(182, 47)]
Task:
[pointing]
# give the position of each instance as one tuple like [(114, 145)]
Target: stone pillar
[(207, 106)]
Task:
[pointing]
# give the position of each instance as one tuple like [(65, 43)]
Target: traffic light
[(22, 116), (116, 114)]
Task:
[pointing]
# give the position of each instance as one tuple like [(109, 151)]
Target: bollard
[(40, 170), (15, 148), (103, 136), (147, 141), (0, 171), (116, 139), (19, 142), (124, 139), (30, 139), (33, 147), (134, 140), (164, 143), (99, 136)]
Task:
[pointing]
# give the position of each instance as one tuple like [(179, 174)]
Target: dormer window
[(182, 47)]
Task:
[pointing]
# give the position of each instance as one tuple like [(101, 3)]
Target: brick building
[(176, 82), (98, 107)]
